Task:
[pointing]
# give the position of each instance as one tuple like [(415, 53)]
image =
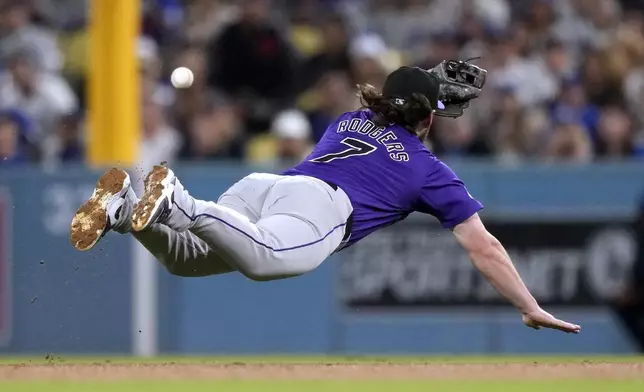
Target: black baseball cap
[(405, 81)]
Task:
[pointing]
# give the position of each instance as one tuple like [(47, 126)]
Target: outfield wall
[(56, 300)]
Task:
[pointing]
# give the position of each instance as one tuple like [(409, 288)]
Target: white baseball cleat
[(156, 203), (105, 210)]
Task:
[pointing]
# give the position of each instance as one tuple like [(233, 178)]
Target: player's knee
[(259, 278), (268, 277), (271, 269), (264, 270), (258, 273)]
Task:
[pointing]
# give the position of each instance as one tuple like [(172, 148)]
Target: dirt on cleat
[(144, 209), (155, 177), (90, 220), (153, 191)]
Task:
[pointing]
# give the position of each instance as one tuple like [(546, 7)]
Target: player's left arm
[(491, 259)]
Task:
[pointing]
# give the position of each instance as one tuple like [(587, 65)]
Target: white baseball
[(182, 77)]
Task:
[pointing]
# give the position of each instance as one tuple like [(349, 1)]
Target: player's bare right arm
[(491, 259)]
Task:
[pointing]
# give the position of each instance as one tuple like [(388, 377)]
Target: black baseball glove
[(460, 82)]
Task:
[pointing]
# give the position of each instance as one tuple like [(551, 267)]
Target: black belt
[(349, 224)]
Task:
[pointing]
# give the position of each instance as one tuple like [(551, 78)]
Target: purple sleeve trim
[(472, 208)]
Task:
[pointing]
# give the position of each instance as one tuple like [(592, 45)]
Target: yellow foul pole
[(114, 105)]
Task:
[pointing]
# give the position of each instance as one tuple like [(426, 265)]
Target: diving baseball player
[(370, 170)]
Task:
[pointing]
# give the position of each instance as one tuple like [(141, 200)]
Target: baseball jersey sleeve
[(445, 196)]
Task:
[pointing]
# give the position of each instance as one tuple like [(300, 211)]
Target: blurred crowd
[(565, 82)]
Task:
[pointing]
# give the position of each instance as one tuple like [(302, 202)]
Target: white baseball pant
[(265, 226)]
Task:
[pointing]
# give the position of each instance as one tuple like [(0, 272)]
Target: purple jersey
[(387, 173)]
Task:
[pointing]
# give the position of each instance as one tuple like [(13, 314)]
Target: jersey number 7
[(356, 148)]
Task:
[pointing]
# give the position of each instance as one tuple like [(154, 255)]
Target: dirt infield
[(535, 371)]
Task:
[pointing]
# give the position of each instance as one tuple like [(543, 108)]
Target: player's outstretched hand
[(542, 319)]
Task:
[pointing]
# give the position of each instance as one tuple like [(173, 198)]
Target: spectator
[(531, 80), (334, 54), (160, 141), (334, 95), (633, 87), (70, 142), (499, 133), (74, 42), (369, 60), (292, 131), (60, 12), (304, 31), (18, 32), (574, 28), (153, 88), (595, 80), (206, 18), (569, 143), (541, 21), (495, 14), (15, 131), (404, 23), (524, 136), (519, 34), (615, 134), (572, 104), (253, 63), (441, 46), (44, 97), (557, 61), (454, 137), (580, 62), (215, 132), (188, 101), (161, 20)]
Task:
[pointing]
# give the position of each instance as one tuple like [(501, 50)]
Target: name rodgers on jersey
[(395, 149)]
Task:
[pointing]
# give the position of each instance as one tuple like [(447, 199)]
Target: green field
[(313, 374)]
